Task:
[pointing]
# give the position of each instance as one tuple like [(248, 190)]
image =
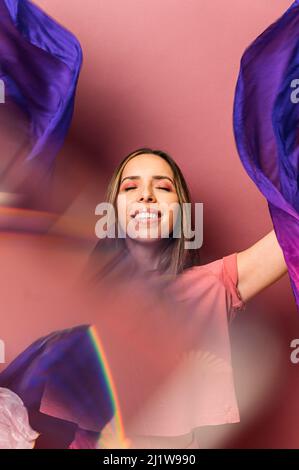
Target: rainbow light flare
[(113, 435)]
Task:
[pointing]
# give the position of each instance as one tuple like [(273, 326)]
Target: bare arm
[(260, 265)]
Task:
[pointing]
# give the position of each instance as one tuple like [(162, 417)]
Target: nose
[(146, 194)]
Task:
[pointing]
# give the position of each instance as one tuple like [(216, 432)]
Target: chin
[(145, 239)]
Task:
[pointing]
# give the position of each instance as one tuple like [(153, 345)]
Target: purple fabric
[(39, 64), (63, 385), (266, 121)]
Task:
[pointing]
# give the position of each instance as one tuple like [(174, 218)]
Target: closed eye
[(159, 187)]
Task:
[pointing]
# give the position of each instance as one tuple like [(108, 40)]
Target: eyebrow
[(155, 177)]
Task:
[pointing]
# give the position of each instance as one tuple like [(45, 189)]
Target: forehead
[(147, 165)]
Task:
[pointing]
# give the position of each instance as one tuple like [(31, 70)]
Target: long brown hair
[(175, 257)]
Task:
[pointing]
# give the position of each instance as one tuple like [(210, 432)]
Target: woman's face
[(147, 200)]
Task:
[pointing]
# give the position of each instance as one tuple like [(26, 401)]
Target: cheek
[(122, 209), (165, 196), (174, 215)]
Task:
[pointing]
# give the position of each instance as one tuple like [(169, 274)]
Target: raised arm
[(259, 266)]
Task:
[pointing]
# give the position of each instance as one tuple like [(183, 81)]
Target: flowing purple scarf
[(39, 65), (266, 120), (62, 373)]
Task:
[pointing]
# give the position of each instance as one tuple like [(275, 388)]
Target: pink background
[(162, 73)]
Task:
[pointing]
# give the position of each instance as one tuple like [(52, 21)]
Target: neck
[(146, 256)]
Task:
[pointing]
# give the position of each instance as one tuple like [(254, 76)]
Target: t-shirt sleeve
[(230, 280)]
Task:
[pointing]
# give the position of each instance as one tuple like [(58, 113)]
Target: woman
[(149, 178), (170, 357), (143, 190)]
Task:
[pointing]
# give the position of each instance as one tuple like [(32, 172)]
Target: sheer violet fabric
[(266, 119), (39, 65), (62, 383)]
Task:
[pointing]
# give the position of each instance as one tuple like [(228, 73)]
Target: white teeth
[(146, 215)]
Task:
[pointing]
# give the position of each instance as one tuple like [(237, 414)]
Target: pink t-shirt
[(200, 390), (168, 349)]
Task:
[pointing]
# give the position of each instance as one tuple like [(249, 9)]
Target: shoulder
[(217, 278), (215, 270)]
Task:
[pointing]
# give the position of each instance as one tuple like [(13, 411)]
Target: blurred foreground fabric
[(40, 63)]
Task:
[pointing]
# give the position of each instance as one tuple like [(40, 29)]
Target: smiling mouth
[(146, 215)]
